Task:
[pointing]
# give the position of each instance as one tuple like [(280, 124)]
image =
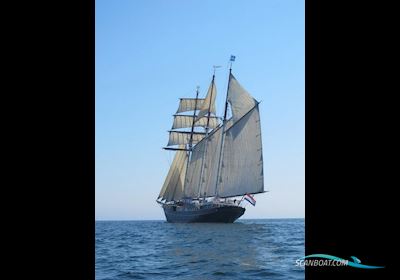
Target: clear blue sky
[(150, 53)]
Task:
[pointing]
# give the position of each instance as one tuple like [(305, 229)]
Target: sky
[(150, 53)]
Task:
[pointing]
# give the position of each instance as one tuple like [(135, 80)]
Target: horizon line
[(133, 220)]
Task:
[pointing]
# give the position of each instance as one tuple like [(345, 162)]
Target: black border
[(351, 113), (59, 133), (349, 129)]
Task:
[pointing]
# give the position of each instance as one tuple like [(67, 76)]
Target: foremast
[(183, 141)]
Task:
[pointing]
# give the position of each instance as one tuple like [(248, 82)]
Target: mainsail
[(226, 161), (242, 162)]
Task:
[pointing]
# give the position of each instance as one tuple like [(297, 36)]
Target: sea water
[(246, 249)]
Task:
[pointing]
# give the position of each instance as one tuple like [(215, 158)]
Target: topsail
[(208, 104)]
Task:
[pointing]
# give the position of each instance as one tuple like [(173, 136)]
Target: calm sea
[(246, 249)]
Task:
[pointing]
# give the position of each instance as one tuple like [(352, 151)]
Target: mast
[(209, 104), (208, 121), (223, 129), (194, 118), (191, 139)]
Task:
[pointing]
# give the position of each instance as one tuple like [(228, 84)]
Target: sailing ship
[(217, 160)]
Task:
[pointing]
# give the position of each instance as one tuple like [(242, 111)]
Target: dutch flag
[(250, 199)]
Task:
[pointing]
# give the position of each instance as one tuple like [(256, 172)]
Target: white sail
[(173, 185), (242, 163), (188, 104), (194, 185), (239, 99), (209, 178), (182, 121), (183, 137), (194, 170), (228, 123), (209, 101)]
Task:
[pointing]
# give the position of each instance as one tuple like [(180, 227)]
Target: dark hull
[(221, 214)]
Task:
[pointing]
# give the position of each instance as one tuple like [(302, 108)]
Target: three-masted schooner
[(214, 161)]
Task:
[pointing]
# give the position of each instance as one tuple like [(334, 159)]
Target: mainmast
[(223, 130), (207, 130)]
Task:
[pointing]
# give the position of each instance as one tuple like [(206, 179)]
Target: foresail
[(173, 185), (239, 99), (242, 163), (183, 137)]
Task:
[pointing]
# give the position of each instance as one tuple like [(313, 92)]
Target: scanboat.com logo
[(328, 260)]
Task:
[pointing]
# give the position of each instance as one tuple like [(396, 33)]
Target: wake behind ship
[(217, 165)]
